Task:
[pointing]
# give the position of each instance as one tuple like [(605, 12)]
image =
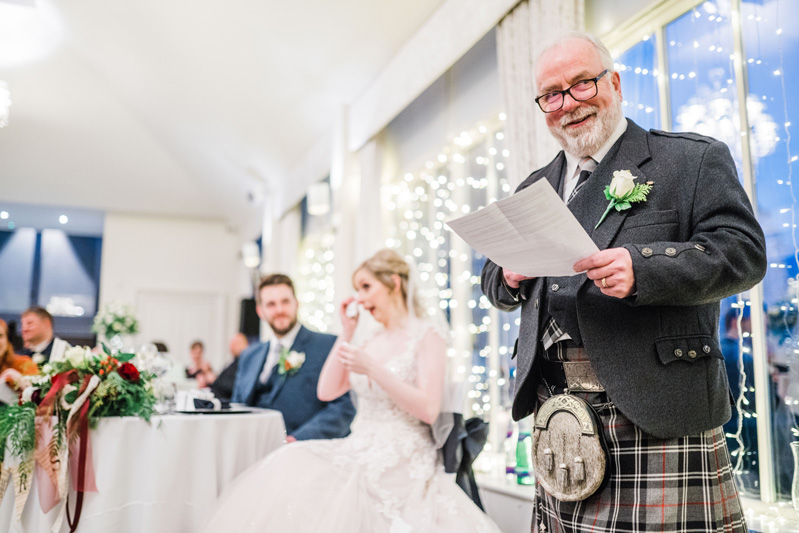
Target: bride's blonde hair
[(387, 263)]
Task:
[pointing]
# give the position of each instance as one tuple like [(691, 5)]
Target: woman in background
[(200, 369), (12, 366), (386, 476)]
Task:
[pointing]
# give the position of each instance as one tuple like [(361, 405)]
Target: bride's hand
[(354, 359), (348, 323)]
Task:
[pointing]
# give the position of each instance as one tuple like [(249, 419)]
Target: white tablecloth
[(161, 477)]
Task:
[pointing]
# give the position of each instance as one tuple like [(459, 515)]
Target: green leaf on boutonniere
[(620, 201)]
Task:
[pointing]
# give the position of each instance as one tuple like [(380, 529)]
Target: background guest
[(200, 369), (222, 387), (37, 334), (13, 366), (264, 380)]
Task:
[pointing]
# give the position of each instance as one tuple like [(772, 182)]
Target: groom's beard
[(587, 140), (282, 331)]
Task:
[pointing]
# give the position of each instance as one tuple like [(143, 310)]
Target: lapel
[(629, 152), (251, 374), (553, 173), (279, 380)]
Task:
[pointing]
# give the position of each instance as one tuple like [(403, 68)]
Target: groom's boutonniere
[(289, 362), (622, 192)]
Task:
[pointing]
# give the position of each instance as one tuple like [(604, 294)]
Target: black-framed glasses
[(580, 91)]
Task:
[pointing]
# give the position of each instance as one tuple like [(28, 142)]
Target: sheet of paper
[(531, 232)]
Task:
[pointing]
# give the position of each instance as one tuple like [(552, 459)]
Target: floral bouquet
[(49, 428), (115, 318)]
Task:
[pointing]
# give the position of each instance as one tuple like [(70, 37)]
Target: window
[(703, 87)]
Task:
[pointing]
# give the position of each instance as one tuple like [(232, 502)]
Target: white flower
[(38, 358), (295, 360), (77, 355), (42, 378), (622, 183), (27, 394)]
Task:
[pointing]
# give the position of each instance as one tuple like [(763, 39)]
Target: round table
[(164, 476)]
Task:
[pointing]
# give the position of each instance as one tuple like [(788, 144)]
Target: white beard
[(587, 140)]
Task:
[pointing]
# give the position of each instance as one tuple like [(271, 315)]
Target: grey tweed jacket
[(693, 242)]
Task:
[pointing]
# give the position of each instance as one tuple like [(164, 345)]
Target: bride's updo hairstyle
[(387, 263)]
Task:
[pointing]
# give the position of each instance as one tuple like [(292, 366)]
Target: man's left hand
[(611, 270)]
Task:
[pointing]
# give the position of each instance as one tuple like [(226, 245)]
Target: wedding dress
[(385, 477)]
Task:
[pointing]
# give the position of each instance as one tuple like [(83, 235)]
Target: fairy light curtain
[(463, 176), (314, 282)]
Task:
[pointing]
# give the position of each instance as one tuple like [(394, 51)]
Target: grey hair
[(559, 40)]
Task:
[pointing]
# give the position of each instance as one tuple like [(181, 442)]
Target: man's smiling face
[(581, 128)]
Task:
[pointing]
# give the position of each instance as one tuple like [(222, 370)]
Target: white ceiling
[(181, 107)]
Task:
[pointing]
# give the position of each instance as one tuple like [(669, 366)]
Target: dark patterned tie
[(581, 179)]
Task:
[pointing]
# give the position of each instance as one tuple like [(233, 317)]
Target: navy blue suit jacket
[(294, 394)]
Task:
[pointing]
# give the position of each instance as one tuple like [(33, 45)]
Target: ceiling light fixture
[(319, 198), (63, 219)]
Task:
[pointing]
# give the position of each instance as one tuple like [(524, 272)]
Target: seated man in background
[(222, 387), (37, 334), (282, 373)]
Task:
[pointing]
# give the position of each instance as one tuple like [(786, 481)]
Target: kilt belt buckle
[(580, 377)]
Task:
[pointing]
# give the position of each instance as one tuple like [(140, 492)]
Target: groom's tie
[(271, 362)]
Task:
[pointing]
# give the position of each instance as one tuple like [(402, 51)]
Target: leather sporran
[(569, 452)]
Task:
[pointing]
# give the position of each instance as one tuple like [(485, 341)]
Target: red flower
[(128, 372)]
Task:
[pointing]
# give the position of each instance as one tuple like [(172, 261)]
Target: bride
[(386, 476)]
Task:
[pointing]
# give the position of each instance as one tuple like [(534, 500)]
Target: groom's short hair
[(276, 279)]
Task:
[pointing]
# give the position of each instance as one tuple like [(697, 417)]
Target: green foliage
[(638, 194), (124, 357), (117, 397), (17, 429)]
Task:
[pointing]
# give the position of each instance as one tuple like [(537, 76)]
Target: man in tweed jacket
[(645, 309)]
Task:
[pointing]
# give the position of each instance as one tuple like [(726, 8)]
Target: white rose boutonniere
[(37, 358), (290, 362), (623, 192)]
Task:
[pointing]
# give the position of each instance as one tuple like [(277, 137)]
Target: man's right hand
[(513, 279)]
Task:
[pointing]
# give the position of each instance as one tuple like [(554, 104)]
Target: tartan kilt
[(675, 485)]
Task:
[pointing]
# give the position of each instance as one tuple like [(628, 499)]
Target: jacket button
[(555, 287), (671, 252), (706, 348), (699, 247), (692, 354), (677, 353), (646, 252)]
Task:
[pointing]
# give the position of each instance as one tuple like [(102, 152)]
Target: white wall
[(180, 258)]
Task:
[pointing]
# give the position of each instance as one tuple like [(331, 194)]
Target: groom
[(282, 373)]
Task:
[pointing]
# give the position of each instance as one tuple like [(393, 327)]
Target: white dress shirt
[(275, 346)]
